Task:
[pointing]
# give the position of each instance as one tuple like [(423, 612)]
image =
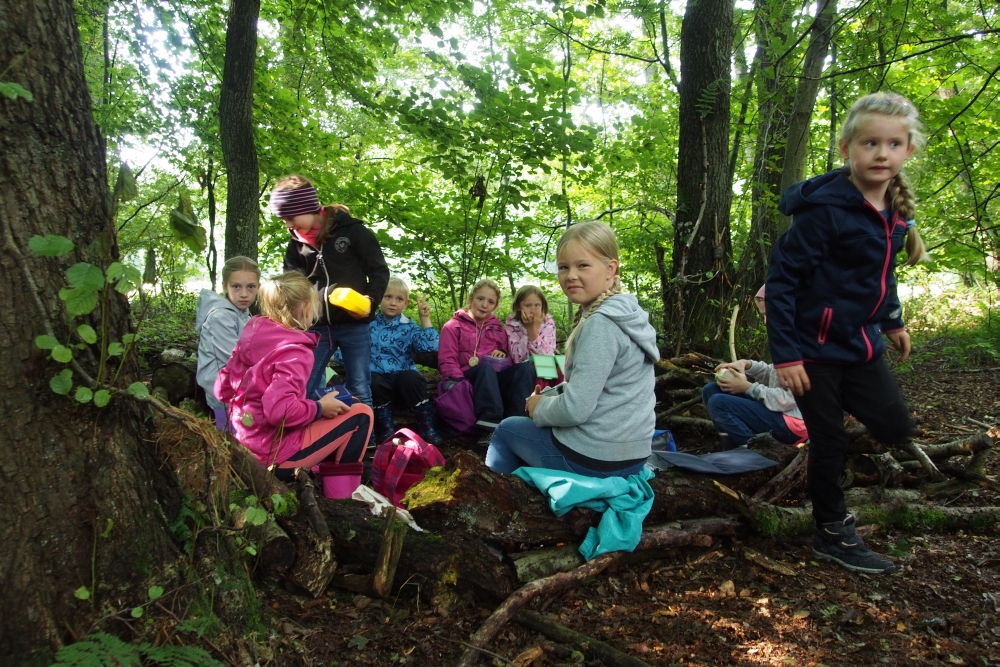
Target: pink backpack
[(400, 462)]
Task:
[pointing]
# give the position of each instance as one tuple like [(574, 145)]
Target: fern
[(707, 98), (104, 650)]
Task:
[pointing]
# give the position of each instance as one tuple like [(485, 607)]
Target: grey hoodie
[(606, 410), (219, 324)]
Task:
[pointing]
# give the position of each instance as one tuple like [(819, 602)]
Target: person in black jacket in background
[(333, 250)]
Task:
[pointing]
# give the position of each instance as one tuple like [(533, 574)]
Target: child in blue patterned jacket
[(395, 338)]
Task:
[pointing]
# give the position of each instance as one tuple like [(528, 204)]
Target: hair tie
[(298, 201), (910, 224)]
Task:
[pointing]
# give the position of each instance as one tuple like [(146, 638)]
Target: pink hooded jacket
[(517, 337), (458, 342), (264, 388)]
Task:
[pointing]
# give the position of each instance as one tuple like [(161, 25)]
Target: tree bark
[(239, 151), (702, 251), (87, 501)]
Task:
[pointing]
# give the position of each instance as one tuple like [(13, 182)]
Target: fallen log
[(606, 653), (315, 562), (791, 476)]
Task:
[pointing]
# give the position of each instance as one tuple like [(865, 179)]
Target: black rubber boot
[(385, 427), (425, 424)]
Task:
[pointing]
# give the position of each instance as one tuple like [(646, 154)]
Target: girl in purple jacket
[(264, 387), (471, 341)]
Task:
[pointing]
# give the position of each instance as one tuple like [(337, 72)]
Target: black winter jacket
[(831, 286), (350, 257)]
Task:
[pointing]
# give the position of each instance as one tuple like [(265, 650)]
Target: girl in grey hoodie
[(219, 322), (599, 422)]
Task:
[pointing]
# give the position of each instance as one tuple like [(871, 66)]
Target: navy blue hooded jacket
[(831, 286)]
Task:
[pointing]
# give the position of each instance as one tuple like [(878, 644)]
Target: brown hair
[(238, 263), (523, 293), (330, 214), (280, 297), (481, 283)]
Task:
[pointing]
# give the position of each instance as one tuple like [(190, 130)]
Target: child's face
[(531, 308), (242, 288), (482, 304), (302, 223), (877, 151), (583, 275), (394, 302)]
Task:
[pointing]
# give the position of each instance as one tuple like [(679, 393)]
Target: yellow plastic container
[(351, 301)]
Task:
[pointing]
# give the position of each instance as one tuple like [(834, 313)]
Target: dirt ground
[(713, 607)]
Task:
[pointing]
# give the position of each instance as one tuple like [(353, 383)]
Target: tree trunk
[(702, 250), (86, 499), (236, 130)]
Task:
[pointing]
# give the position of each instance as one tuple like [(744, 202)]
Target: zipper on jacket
[(888, 258), (326, 297), (824, 325)]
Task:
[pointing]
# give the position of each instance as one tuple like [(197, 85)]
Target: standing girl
[(468, 339), (219, 322), (333, 250), (831, 296), (264, 385), (600, 421), (530, 329)]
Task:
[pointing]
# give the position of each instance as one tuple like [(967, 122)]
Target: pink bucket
[(340, 479)]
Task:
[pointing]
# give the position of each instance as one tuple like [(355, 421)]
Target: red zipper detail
[(885, 265), (868, 344), (824, 325)]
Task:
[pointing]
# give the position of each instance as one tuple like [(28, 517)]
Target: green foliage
[(104, 650), (13, 90), (960, 327)]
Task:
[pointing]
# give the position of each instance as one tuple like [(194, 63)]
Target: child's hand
[(500, 354), (795, 379), (423, 309), (532, 401), (735, 384), (527, 317), (739, 366), (332, 406), (900, 341)]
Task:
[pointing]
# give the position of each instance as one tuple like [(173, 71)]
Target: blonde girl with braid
[(599, 422), (264, 387), (831, 303)]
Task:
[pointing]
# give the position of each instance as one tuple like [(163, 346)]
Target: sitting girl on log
[(600, 421), (264, 386)]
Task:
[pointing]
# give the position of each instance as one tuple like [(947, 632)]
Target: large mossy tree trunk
[(236, 130), (702, 251), (85, 500)]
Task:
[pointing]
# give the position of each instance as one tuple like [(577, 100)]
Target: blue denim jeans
[(355, 343), (742, 417), (518, 442)]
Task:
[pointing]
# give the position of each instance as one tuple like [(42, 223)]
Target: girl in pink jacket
[(530, 329), (264, 387), (472, 344)]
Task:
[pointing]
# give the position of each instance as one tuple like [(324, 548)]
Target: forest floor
[(711, 606)]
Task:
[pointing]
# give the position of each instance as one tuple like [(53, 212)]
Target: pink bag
[(455, 406), (400, 462), (496, 363)]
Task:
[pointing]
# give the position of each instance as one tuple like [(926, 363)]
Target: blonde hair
[(280, 297), (523, 293), (238, 263), (479, 284), (901, 195), (330, 214), (395, 282), (599, 239)]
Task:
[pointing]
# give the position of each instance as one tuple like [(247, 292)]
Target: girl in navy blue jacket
[(831, 296)]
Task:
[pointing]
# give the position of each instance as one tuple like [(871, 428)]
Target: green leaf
[(132, 280), (155, 592), (358, 642), (85, 275), (247, 419), (82, 593), (15, 90), (83, 395), (137, 612), (138, 390), (128, 339), (256, 516), (46, 342), (62, 383), (125, 188), (50, 245), (250, 501), (62, 354), (278, 502), (79, 301), (102, 397), (115, 349), (87, 333), (115, 271), (185, 225), (107, 528)]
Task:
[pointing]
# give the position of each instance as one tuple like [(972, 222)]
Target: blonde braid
[(584, 313), (904, 203)]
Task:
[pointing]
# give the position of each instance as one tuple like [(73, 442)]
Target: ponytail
[(904, 203), (915, 249)]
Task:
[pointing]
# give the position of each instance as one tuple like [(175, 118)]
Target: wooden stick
[(388, 554), (779, 485), (919, 454), (560, 633), (732, 333), (680, 407)]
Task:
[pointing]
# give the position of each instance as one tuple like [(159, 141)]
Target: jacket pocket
[(824, 325)]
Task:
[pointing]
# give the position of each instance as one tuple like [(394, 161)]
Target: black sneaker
[(839, 543)]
